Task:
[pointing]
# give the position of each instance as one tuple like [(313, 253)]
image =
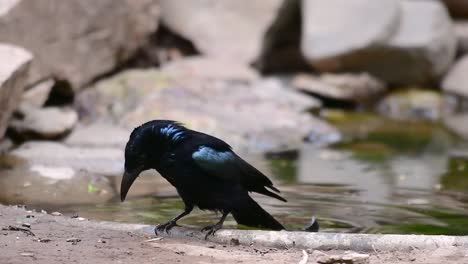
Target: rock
[(413, 104), (44, 123), (458, 124), (456, 80), (44, 156), (408, 42), (78, 40), (457, 8), (222, 108), (45, 172), (38, 94), (98, 134), (203, 67), (281, 51), (14, 66), (358, 88), (216, 28), (334, 28), (461, 31), (37, 188)]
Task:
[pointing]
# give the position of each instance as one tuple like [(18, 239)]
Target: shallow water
[(386, 177)]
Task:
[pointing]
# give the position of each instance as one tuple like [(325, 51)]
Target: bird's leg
[(213, 228), (173, 222)]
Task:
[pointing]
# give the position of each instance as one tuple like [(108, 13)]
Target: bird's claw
[(164, 227), (211, 230)]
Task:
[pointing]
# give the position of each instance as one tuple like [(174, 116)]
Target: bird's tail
[(249, 213)]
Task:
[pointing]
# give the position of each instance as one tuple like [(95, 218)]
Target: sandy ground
[(91, 243)]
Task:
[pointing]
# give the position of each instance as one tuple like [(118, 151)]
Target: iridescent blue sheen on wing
[(172, 132)]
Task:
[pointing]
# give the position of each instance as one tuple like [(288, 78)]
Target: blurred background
[(356, 108)]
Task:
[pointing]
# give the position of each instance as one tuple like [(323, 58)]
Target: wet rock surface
[(12, 80), (414, 104)]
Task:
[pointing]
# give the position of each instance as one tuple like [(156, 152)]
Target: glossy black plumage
[(204, 170)]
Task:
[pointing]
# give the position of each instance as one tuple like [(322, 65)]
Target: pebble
[(28, 225), (73, 240), (27, 254), (56, 214)]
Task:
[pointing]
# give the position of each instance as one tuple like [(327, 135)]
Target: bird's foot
[(211, 229), (165, 227)]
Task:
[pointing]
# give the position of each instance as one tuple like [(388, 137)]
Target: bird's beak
[(127, 181)]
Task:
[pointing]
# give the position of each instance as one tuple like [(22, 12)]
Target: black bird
[(204, 170)]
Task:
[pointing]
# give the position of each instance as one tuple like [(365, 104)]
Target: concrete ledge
[(306, 240)]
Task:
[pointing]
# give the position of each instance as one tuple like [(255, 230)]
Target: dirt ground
[(62, 239)]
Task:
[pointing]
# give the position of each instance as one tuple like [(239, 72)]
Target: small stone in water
[(56, 214), (101, 241), (28, 225), (43, 211), (81, 218)]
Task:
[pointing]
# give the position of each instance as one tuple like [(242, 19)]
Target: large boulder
[(228, 29), (237, 111), (43, 123), (78, 40), (407, 42), (456, 80), (14, 66)]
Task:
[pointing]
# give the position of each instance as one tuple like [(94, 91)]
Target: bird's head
[(145, 147)]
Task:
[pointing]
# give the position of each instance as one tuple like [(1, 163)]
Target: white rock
[(42, 155), (14, 65), (227, 29), (407, 42), (49, 122), (337, 27)]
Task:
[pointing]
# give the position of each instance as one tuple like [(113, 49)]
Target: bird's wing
[(227, 165)]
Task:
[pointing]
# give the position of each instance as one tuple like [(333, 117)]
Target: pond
[(385, 177)]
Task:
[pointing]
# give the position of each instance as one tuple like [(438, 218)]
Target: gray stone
[(413, 104), (48, 154), (456, 80), (46, 123), (203, 67), (359, 88), (38, 94), (77, 40), (98, 134), (239, 112), (334, 28), (407, 42), (227, 29), (14, 66)]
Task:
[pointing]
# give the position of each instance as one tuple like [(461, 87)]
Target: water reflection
[(370, 183)]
